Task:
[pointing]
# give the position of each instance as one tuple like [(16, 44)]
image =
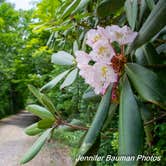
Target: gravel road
[(14, 143)]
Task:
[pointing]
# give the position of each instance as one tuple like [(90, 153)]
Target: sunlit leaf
[(45, 123), (70, 78), (81, 6), (75, 46), (62, 58), (39, 111), (70, 8), (33, 129), (55, 81)]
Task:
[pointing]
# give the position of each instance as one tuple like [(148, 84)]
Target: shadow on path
[(14, 143), (22, 119)]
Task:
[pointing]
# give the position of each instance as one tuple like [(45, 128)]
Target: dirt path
[(14, 143)]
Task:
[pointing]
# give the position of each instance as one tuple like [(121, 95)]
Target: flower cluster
[(102, 71)]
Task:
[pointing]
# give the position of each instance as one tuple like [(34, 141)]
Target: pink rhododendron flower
[(107, 63), (103, 76), (95, 35), (122, 35), (82, 58), (86, 70), (102, 51)]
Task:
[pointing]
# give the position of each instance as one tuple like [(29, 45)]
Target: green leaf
[(97, 123), (45, 123), (55, 81), (147, 84), (49, 105), (33, 151), (149, 28), (35, 92), (40, 111), (75, 46), (142, 9), (108, 7), (147, 55), (131, 8), (81, 6), (62, 58), (150, 4), (70, 78), (130, 125), (33, 130), (111, 113), (70, 8)]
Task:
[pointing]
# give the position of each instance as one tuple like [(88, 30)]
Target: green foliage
[(42, 34), (130, 125), (138, 98), (36, 147), (140, 77)]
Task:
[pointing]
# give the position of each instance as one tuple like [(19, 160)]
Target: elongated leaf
[(33, 151), (147, 84), (108, 7), (62, 58), (97, 123), (70, 8), (81, 6), (75, 46), (49, 105), (150, 4), (147, 55), (131, 8), (149, 28), (112, 109), (35, 92), (69, 79), (45, 123), (130, 125), (33, 129), (142, 9), (40, 111), (55, 81)]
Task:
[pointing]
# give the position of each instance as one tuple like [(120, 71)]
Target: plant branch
[(154, 120), (159, 66), (74, 126)]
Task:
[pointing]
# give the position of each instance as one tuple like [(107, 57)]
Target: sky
[(21, 4)]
